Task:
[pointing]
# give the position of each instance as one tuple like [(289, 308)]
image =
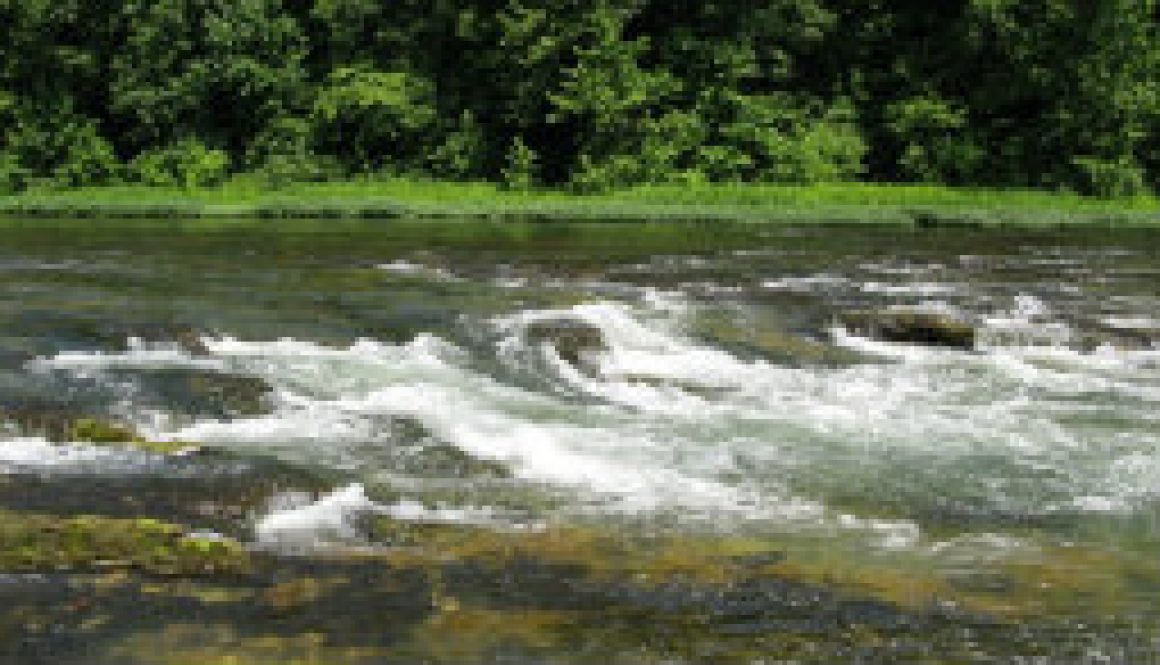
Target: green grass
[(386, 199)]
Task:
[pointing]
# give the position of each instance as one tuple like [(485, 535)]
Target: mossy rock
[(912, 327), (106, 433), (60, 426), (35, 543), (572, 339)]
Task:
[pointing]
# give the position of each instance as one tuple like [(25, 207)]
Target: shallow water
[(999, 503)]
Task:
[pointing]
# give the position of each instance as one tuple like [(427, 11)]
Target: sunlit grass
[(390, 198)]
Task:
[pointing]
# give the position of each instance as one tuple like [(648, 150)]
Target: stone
[(909, 326), (573, 339)]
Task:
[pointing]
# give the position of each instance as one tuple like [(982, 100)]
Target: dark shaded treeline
[(588, 93)]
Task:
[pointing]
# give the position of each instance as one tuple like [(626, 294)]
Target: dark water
[(584, 443)]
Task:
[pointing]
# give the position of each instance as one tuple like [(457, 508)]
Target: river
[(588, 443)]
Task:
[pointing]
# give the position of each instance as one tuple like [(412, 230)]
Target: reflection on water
[(588, 443)]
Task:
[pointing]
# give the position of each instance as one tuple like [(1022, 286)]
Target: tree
[(218, 70)]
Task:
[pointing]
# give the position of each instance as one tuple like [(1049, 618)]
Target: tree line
[(587, 94)]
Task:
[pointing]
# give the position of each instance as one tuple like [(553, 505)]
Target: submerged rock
[(573, 339), (912, 327)]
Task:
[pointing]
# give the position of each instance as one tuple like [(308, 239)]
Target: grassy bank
[(388, 199)]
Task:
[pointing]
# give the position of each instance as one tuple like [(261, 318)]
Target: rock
[(42, 543), (51, 421), (202, 393), (912, 327), (105, 433), (1123, 335), (769, 342), (100, 432), (185, 337), (573, 339), (442, 460), (61, 427)]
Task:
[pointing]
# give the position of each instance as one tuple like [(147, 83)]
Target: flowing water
[(720, 471)]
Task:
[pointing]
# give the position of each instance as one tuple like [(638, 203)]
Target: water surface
[(872, 501)]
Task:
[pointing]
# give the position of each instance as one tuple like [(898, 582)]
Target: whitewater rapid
[(662, 422)]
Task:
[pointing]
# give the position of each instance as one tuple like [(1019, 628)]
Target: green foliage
[(462, 152), (219, 70), (55, 150), (595, 95), (934, 140), (1109, 178), (13, 175), (375, 119), (519, 172), (774, 139), (187, 163), (283, 154)]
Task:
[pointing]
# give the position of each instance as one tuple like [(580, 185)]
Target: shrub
[(283, 154), (13, 176), (187, 163), (520, 166), (379, 119), (461, 153), (86, 158), (933, 139), (1109, 178)]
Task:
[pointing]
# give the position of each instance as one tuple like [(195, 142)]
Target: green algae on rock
[(34, 543), (104, 433)]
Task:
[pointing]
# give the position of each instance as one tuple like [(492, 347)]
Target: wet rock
[(35, 418), (62, 426), (912, 327), (33, 543), (50, 331), (202, 393), (770, 343), (442, 460), (1126, 335), (573, 339), (186, 337), (101, 432), (213, 490)]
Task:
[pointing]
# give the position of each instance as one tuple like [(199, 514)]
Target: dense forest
[(586, 94)]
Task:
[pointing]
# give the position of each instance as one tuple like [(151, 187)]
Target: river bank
[(848, 203)]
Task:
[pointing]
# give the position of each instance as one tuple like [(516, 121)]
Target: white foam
[(666, 423), (37, 454), (329, 520), (139, 355), (806, 283), (411, 269), (924, 289)]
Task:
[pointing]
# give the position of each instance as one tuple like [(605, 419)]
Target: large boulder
[(912, 327), (572, 339)]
